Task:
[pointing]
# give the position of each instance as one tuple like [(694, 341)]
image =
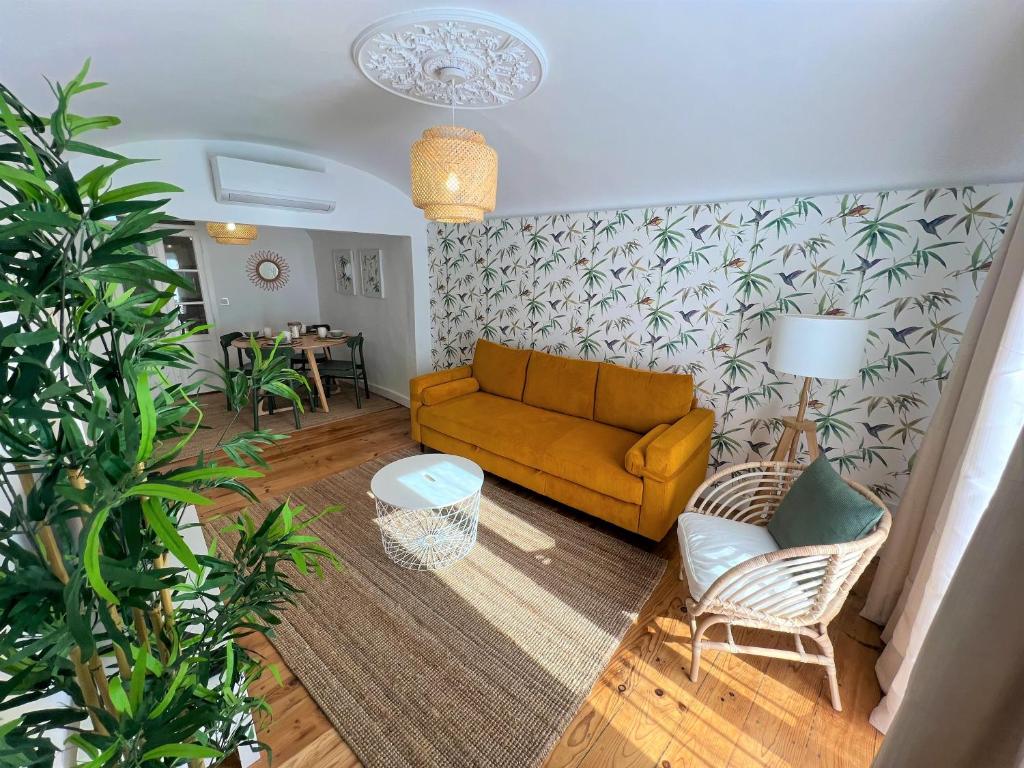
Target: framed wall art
[(371, 273), (344, 271)]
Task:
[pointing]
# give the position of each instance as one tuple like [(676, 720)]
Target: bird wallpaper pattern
[(697, 288)]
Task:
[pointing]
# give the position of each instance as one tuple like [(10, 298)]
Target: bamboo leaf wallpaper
[(696, 289)]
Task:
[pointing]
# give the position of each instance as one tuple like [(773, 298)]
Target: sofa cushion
[(500, 370), (561, 384), (711, 545), (449, 389), (497, 424), (580, 451), (636, 456), (820, 508), (593, 455), (640, 400)]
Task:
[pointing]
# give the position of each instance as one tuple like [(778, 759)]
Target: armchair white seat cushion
[(710, 546)]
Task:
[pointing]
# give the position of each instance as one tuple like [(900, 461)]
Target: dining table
[(309, 344)]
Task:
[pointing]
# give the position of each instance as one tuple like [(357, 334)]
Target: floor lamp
[(815, 347)]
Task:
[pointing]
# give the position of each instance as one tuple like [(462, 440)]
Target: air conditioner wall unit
[(278, 186)]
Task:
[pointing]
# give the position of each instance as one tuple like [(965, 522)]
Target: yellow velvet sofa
[(624, 445)]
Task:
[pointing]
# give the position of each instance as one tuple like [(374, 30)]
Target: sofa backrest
[(641, 400), (500, 370), (561, 384), (622, 397)]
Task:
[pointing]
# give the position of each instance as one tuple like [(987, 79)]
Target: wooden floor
[(643, 711)]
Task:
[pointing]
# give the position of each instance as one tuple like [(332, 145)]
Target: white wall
[(365, 203), (387, 323), (251, 307)]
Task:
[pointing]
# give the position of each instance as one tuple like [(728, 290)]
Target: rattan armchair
[(798, 590)]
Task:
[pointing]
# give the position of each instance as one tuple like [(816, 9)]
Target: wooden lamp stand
[(788, 448)]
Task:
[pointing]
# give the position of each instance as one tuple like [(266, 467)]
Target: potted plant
[(112, 627)]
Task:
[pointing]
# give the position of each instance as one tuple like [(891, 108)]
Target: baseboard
[(390, 394)]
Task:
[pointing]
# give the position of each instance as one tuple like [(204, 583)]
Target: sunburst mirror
[(267, 270)]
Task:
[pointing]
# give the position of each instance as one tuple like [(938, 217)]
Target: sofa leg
[(423, 448)]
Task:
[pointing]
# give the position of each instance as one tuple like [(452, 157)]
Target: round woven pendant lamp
[(230, 233), (454, 175)]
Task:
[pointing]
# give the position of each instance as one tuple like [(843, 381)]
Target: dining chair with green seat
[(353, 369), (257, 395)]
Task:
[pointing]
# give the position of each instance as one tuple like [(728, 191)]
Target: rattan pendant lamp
[(454, 172), (230, 233), (452, 57)]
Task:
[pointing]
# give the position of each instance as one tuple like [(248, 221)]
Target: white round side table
[(427, 509)]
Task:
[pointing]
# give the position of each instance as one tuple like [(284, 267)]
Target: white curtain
[(955, 472), (963, 707)]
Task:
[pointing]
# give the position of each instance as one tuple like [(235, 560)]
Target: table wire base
[(429, 539)]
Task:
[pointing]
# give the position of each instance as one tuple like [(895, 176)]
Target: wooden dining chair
[(225, 345), (258, 395), (353, 369)]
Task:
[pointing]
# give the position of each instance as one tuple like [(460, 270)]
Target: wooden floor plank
[(643, 711), (726, 691)]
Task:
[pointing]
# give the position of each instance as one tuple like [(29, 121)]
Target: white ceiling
[(645, 101)]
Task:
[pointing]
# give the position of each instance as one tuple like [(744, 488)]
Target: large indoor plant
[(112, 628)]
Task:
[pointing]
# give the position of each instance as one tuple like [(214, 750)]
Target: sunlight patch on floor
[(515, 530), (544, 626)]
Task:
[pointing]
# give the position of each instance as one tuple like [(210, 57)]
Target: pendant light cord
[(453, 103)]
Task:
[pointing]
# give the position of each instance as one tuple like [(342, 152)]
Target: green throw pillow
[(821, 509)]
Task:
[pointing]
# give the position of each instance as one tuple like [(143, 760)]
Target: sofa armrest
[(450, 389), (668, 453), (636, 457), (420, 383)]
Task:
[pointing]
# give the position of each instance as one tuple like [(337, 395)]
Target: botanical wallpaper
[(696, 289)]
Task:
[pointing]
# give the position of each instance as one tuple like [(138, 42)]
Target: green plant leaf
[(164, 491), (89, 149), (131, 191), (212, 473), (168, 534), (30, 338), (24, 179), (91, 557), (147, 416), (79, 625), (68, 189), (104, 757), (165, 702), (138, 681), (188, 751), (119, 697)]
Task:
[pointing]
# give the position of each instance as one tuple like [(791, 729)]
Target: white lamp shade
[(818, 346)]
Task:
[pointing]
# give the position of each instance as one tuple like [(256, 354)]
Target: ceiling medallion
[(414, 55)]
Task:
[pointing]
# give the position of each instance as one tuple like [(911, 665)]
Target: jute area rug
[(482, 664), (220, 424)]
